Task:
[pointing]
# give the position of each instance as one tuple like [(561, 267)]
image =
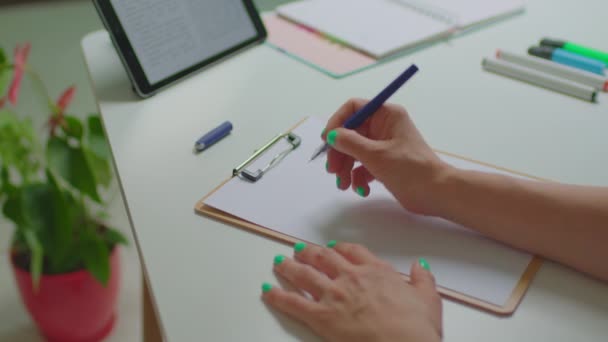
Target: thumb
[(352, 143), (422, 278)]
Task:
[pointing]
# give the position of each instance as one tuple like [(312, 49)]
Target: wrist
[(439, 194)]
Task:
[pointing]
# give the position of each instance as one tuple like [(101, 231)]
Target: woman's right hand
[(390, 149)]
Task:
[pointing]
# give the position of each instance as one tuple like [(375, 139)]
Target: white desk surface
[(205, 276)]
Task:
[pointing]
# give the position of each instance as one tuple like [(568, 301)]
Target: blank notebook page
[(465, 13), (375, 27), (299, 198)]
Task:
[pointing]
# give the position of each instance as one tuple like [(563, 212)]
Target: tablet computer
[(163, 41)]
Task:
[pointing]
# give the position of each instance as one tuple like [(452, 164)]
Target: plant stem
[(36, 77), (41, 86), (42, 89)]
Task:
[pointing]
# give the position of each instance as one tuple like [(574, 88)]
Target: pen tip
[(318, 152), (315, 155)]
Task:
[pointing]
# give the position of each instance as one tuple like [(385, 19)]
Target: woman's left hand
[(356, 296)]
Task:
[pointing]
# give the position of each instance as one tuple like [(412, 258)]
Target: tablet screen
[(169, 36)]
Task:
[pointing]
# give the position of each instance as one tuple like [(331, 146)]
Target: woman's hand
[(390, 149), (356, 296)]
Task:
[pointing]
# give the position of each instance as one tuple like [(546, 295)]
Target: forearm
[(566, 223)]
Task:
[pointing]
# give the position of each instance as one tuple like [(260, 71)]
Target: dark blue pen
[(213, 136), (358, 118)]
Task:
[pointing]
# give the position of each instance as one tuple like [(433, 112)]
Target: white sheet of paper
[(382, 27), (465, 13), (299, 198), (376, 27)]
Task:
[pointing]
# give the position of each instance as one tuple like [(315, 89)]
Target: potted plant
[(64, 257)]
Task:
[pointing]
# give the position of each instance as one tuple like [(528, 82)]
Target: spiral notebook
[(380, 28)]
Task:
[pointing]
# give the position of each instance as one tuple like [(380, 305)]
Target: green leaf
[(18, 243), (38, 211), (95, 255), (113, 237), (6, 187), (70, 263), (5, 73), (65, 219), (72, 165), (69, 260), (74, 127), (37, 252), (101, 167), (12, 208), (49, 213), (97, 139), (18, 144)]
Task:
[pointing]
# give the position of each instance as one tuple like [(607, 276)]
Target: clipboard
[(507, 309)]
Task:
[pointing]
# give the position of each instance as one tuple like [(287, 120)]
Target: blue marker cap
[(578, 61), (564, 57), (213, 136)]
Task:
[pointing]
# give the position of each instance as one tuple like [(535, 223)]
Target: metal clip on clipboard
[(254, 176)]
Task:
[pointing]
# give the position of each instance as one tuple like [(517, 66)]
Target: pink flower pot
[(72, 307)]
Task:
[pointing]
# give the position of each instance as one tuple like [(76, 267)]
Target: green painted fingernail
[(266, 287), (332, 243), (338, 181), (298, 247), (331, 137), (327, 166), (424, 264), (361, 191), (279, 259)]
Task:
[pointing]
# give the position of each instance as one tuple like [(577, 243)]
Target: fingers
[(343, 172), (302, 276), (325, 260), (356, 254), (422, 278), (358, 178), (335, 160), (290, 303), (341, 165), (343, 113), (348, 146), (353, 144), (361, 177)]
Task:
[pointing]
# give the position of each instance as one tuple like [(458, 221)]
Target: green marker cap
[(576, 48)]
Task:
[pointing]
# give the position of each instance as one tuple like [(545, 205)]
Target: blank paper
[(300, 199), (376, 27), (465, 13), (382, 27)]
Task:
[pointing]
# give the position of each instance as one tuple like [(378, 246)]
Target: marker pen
[(576, 48), (541, 79), (568, 58), (555, 69)]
